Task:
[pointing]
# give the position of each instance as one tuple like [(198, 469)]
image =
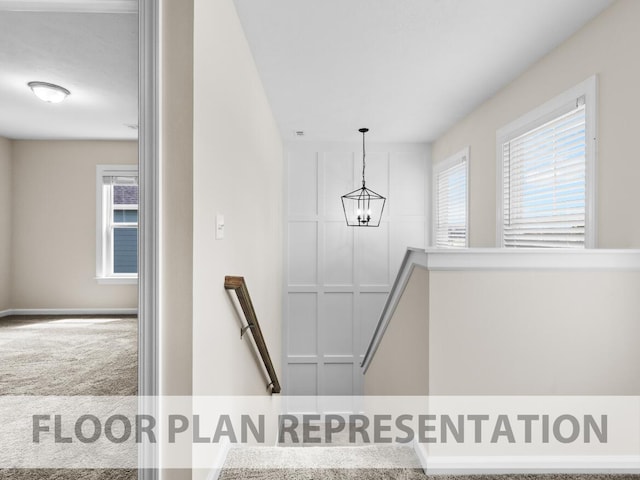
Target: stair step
[(367, 462)]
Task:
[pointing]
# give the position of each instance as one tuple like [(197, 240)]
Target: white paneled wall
[(338, 277)]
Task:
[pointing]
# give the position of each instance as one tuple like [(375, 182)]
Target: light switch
[(219, 227)]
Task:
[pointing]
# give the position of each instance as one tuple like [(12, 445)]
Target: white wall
[(53, 254), (337, 276), (5, 224), (237, 172), (606, 46)]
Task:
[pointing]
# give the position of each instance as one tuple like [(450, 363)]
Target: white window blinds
[(544, 184), (450, 181)]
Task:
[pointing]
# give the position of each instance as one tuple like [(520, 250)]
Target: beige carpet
[(392, 474), (350, 463), (69, 474), (62, 355), (68, 356), (304, 463), (326, 474)]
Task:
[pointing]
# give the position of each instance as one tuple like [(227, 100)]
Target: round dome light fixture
[(49, 92)]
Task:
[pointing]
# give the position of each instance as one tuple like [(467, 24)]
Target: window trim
[(102, 277), (449, 162), (538, 116)]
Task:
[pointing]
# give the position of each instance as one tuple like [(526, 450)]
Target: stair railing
[(239, 285)]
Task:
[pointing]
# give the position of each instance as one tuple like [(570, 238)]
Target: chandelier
[(363, 207)]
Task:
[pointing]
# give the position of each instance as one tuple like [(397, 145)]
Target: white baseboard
[(69, 311), (434, 465), (421, 454), (221, 457)]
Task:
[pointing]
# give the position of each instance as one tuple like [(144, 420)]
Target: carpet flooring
[(94, 355), (63, 355), (396, 474), (392, 474), (98, 356), (326, 474), (351, 463), (51, 474), (347, 458)]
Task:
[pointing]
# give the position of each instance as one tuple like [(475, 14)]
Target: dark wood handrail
[(239, 285)]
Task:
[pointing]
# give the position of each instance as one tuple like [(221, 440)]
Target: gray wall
[(53, 228), (401, 363), (5, 224)]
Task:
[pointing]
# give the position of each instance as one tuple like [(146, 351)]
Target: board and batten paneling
[(338, 277)]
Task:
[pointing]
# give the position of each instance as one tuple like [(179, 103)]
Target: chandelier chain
[(363, 159)]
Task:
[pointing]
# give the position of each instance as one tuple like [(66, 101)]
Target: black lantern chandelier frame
[(362, 200)]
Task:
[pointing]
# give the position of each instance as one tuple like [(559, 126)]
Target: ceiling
[(90, 48), (407, 69)]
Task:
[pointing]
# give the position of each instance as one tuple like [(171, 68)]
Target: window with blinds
[(450, 201), (544, 183)]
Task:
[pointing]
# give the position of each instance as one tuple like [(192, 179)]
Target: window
[(546, 165), (450, 187), (117, 223)]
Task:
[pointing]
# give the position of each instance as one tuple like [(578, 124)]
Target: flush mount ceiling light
[(48, 92), (363, 207)]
